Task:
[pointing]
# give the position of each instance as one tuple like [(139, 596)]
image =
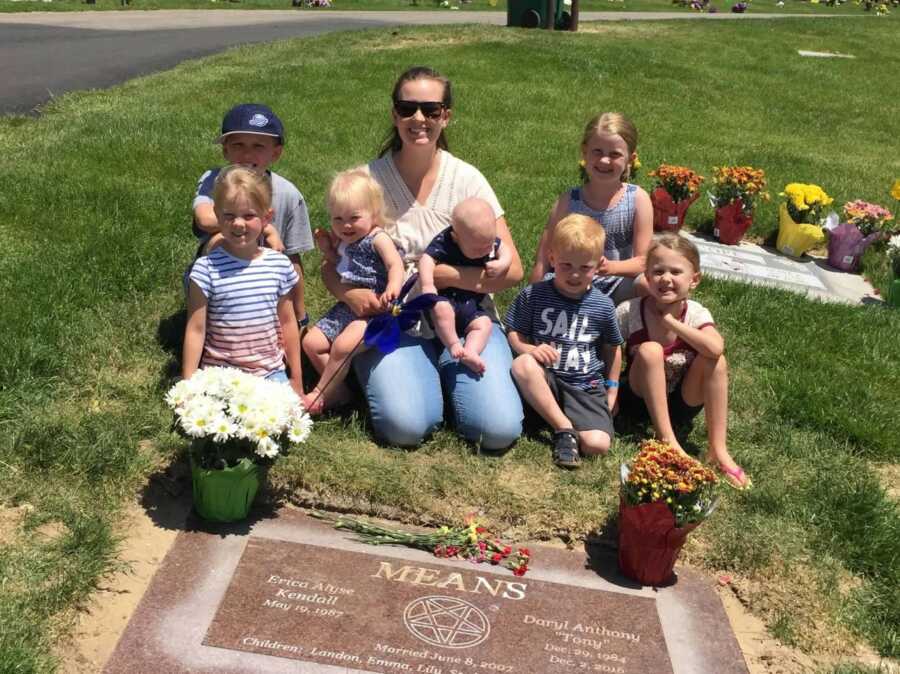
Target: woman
[(422, 183)]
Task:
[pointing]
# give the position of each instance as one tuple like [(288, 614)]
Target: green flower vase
[(893, 297), (225, 494)]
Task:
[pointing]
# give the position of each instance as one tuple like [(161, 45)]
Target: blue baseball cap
[(252, 118)]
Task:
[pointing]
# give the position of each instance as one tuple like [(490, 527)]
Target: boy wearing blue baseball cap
[(253, 136)]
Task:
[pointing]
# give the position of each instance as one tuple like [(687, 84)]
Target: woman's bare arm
[(362, 301)]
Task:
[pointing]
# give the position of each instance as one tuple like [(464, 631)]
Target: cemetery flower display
[(805, 203), (229, 408), (665, 495), (880, 6), (893, 253), (662, 474), (733, 183), (679, 182), (800, 217), (472, 541), (895, 189), (867, 217), (677, 187), (864, 223), (734, 193), (696, 5), (238, 423)]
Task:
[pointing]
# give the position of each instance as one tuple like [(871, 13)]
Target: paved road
[(43, 55)]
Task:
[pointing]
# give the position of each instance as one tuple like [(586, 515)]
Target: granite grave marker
[(381, 614), (290, 594)]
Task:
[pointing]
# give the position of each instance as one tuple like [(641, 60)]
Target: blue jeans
[(279, 376), (404, 390)]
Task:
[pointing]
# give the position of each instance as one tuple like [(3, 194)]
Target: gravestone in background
[(754, 264)]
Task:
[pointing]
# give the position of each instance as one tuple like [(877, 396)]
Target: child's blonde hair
[(355, 188), (612, 123), (578, 233), (239, 179), (678, 244)]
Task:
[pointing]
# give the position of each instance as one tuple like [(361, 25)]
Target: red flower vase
[(668, 215), (846, 244), (732, 223), (649, 542)]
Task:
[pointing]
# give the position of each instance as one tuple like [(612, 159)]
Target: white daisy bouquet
[(230, 415), (893, 253)]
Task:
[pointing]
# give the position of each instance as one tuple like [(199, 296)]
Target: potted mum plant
[(864, 223), (800, 218), (677, 187), (238, 424), (665, 495), (734, 193)]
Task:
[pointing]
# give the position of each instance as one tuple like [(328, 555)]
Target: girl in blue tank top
[(608, 150)]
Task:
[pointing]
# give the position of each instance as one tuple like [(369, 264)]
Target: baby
[(366, 257), (470, 241)]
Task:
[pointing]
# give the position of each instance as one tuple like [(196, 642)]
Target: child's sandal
[(565, 449), (735, 478)]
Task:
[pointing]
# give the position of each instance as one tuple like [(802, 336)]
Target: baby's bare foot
[(473, 361), (457, 351)]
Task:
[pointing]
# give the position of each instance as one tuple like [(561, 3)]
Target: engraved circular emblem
[(446, 621)]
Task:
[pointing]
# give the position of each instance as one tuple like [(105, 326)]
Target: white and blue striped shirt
[(242, 326), (576, 328)]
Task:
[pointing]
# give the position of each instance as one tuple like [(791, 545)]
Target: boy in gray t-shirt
[(253, 136)]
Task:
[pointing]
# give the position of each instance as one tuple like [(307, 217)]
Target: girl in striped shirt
[(239, 309)]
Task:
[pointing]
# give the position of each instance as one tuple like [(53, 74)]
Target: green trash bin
[(538, 13)]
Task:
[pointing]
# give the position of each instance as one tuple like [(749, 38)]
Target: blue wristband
[(303, 322), (609, 383)]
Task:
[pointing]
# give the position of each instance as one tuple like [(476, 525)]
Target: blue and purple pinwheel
[(384, 330)]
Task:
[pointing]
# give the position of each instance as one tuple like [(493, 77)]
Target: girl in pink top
[(676, 361)]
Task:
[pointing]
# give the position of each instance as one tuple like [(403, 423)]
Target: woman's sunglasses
[(430, 109)]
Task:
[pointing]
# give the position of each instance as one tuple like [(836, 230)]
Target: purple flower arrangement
[(739, 7), (696, 5)]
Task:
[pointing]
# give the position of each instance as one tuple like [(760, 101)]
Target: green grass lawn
[(97, 235), (790, 6)]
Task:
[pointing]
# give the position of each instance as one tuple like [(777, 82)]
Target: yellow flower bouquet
[(799, 218), (806, 203)]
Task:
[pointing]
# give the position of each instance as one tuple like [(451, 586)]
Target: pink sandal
[(741, 481)]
